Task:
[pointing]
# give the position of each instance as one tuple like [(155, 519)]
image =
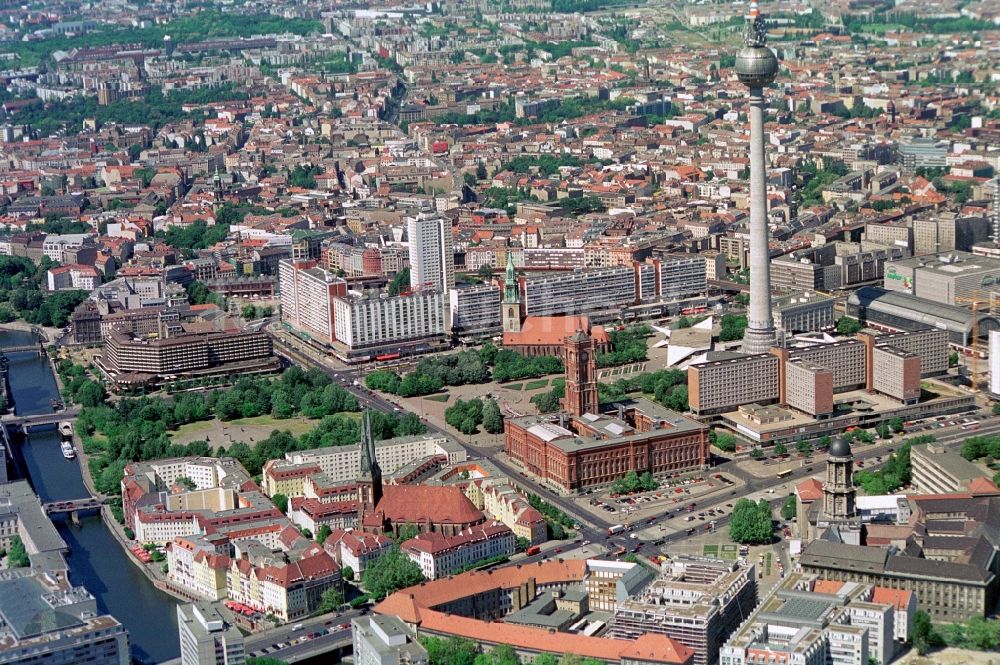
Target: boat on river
[(68, 451)]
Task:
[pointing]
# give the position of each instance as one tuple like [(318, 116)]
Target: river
[(97, 561)]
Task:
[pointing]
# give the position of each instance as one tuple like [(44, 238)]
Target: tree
[(17, 556), (953, 359), (803, 446), (322, 533), (281, 502), (848, 326), (788, 509), (780, 450), (249, 312), (897, 424), (347, 573), (392, 571), (450, 651), (732, 326), (757, 453), (492, 418), (265, 661), (750, 523), (89, 393), (399, 282), (331, 599), (725, 442), (502, 654)]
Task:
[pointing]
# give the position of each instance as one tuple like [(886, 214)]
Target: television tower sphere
[(756, 64)]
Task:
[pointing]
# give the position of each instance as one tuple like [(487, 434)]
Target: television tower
[(756, 67)]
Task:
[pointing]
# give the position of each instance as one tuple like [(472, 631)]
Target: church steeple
[(370, 478), (511, 307)]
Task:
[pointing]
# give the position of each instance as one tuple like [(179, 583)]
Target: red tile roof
[(416, 504), (898, 598), (809, 489), (551, 330), (415, 606)]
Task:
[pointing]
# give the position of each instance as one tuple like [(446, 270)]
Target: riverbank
[(51, 334)]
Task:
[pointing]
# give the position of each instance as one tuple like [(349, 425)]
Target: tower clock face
[(583, 356)]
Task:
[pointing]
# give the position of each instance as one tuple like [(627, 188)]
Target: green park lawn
[(442, 397), (535, 385)]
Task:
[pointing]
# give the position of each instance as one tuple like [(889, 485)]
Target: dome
[(756, 66), (840, 447)]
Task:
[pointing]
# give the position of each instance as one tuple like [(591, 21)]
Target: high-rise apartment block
[(432, 256), (307, 295)]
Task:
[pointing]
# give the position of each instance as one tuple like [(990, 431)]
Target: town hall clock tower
[(581, 375)]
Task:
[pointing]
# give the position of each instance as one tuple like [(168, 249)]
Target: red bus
[(387, 356), (534, 549)]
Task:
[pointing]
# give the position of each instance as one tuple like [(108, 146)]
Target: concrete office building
[(896, 373), (45, 621), (721, 385), (844, 358), (809, 388), (804, 275), (432, 257), (698, 602), (953, 278), (364, 326), (810, 621), (717, 386), (804, 312), (208, 635), (896, 235), (307, 294), (603, 293), (680, 275), (947, 232), (592, 292), (939, 470), (135, 361), (756, 67), (474, 312), (385, 640)]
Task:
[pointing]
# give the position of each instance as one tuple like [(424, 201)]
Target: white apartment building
[(307, 292), (432, 255), (439, 555), (370, 323), (341, 463)]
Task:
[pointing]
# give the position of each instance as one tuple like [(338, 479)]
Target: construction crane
[(978, 301)]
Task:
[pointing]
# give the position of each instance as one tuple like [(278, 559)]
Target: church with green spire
[(511, 306)]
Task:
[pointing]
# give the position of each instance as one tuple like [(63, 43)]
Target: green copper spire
[(510, 281)]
